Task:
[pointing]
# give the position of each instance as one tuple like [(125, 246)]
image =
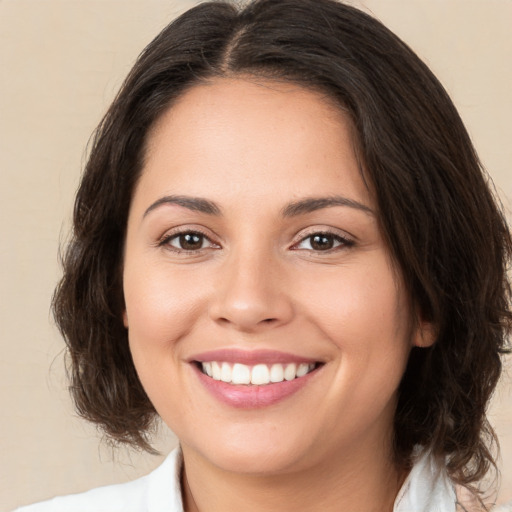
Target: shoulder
[(127, 496), (158, 491), (427, 487)]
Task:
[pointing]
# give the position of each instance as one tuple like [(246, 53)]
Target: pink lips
[(250, 357), (251, 396)]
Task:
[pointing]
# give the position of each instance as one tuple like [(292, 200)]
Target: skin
[(255, 281)]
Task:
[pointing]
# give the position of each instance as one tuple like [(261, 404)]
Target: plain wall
[(61, 62)]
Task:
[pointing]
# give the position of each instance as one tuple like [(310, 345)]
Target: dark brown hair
[(441, 222)]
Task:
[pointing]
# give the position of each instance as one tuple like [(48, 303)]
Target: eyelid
[(181, 230), (345, 239)]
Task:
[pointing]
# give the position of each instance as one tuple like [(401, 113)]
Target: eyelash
[(166, 239), (344, 242)]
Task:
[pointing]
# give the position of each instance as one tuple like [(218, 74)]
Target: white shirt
[(426, 489)]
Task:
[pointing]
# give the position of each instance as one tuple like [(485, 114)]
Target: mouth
[(251, 379), (260, 374)]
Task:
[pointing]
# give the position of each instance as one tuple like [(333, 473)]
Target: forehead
[(249, 134)]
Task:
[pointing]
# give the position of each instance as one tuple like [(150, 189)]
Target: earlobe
[(425, 335), (125, 319)]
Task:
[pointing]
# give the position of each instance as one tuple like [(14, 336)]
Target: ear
[(125, 318), (425, 334)]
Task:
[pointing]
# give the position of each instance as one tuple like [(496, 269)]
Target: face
[(267, 323)]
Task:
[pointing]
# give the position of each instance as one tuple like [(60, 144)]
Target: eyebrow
[(196, 204), (294, 209), (312, 204)]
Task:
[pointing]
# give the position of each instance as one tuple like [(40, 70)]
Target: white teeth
[(241, 374), (260, 375), (302, 370), (215, 370), (225, 372), (276, 373), (290, 371), (257, 375), (207, 367)]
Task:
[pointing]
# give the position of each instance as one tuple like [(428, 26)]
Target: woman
[(285, 247)]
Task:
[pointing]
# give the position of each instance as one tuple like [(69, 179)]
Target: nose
[(251, 294)]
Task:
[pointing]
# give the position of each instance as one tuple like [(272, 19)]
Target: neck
[(363, 479)]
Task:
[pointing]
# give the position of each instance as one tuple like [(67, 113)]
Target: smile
[(251, 379), (256, 375)]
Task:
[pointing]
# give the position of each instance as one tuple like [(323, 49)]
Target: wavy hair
[(441, 221)]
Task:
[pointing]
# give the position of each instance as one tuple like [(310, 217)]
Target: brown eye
[(323, 242), (188, 241)]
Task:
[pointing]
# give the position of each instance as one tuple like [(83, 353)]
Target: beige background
[(61, 62)]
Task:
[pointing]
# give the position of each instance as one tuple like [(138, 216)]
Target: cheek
[(365, 314), (359, 307), (161, 307), (161, 310)]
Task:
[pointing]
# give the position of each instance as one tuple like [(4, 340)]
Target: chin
[(254, 453)]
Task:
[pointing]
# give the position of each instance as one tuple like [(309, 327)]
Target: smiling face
[(266, 321)]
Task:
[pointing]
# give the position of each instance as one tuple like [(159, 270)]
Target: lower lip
[(250, 396)]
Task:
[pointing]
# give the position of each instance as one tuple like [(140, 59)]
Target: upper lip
[(250, 357)]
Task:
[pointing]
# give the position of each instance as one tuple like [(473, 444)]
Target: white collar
[(427, 488)]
